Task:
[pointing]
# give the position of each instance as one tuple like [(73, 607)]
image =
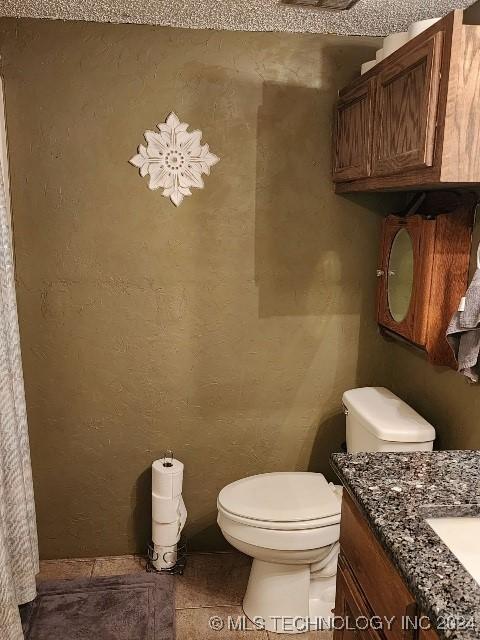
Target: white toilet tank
[(378, 420)]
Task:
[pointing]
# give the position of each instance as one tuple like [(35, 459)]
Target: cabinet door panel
[(352, 608), (353, 133), (406, 104), (413, 326)]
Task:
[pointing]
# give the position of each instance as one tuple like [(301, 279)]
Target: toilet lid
[(281, 497)]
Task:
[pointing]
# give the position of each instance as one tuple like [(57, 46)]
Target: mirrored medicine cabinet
[(423, 270)]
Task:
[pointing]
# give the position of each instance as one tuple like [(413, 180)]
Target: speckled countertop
[(396, 492)]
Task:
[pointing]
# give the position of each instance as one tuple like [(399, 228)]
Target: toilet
[(289, 522)]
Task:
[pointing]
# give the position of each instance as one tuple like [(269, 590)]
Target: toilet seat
[(285, 511), (281, 500), (297, 525), (279, 539)]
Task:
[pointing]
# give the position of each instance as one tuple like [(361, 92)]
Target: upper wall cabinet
[(406, 106), (413, 121)]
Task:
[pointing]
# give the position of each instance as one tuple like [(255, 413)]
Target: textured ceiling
[(368, 17)]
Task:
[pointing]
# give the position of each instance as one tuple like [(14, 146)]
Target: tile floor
[(213, 585)]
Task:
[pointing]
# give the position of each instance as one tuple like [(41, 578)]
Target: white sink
[(461, 535)]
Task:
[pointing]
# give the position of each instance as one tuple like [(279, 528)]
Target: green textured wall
[(226, 329)]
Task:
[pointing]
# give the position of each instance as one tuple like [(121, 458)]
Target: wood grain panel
[(453, 243), (351, 606), (383, 587), (441, 235), (461, 161), (428, 634), (353, 133), (406, 107)]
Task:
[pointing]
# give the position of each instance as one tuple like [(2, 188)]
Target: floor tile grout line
[(208, 606)]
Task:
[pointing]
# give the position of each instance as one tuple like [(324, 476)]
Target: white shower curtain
[(18, 533)]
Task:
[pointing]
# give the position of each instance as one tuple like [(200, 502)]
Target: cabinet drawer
[(383, 588)]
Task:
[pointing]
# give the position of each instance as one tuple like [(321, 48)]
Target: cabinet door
[(352, 133), (406, 110), (404, 276), (352, 612), (378, 582)]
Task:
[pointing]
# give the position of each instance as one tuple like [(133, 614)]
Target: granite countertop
[(396, 492)]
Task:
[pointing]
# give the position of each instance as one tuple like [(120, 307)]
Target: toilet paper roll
[(165, 510), (167, 478), (164, 557), (393, 42), (416, 28), (166, 534), (366, 66)]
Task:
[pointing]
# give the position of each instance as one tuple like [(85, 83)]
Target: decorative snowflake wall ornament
[(174, 159)]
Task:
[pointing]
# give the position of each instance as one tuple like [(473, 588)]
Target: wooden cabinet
[(404, 277), (406, 108), (370, 567), (353, 133), (412, 121), (352, 608), (423, 271), (370, 590), (427, 633)]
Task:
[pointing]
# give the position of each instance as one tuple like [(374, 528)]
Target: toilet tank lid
[(386, 416)]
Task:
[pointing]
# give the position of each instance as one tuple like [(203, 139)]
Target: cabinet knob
[(380, 273)]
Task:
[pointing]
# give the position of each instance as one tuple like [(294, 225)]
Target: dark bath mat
[(133, 607)]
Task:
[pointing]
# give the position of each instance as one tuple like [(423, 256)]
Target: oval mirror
[(400, 275)]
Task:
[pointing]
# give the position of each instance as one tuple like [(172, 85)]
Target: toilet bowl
[(289, 522)]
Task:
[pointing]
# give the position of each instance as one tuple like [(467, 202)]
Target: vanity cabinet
[(370, 591), (423, 272), (350, 606), (412, 121)]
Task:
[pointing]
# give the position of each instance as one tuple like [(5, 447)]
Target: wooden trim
[(451, 27), (451, 258), (424, 276), (461, 157), (428, 178)]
